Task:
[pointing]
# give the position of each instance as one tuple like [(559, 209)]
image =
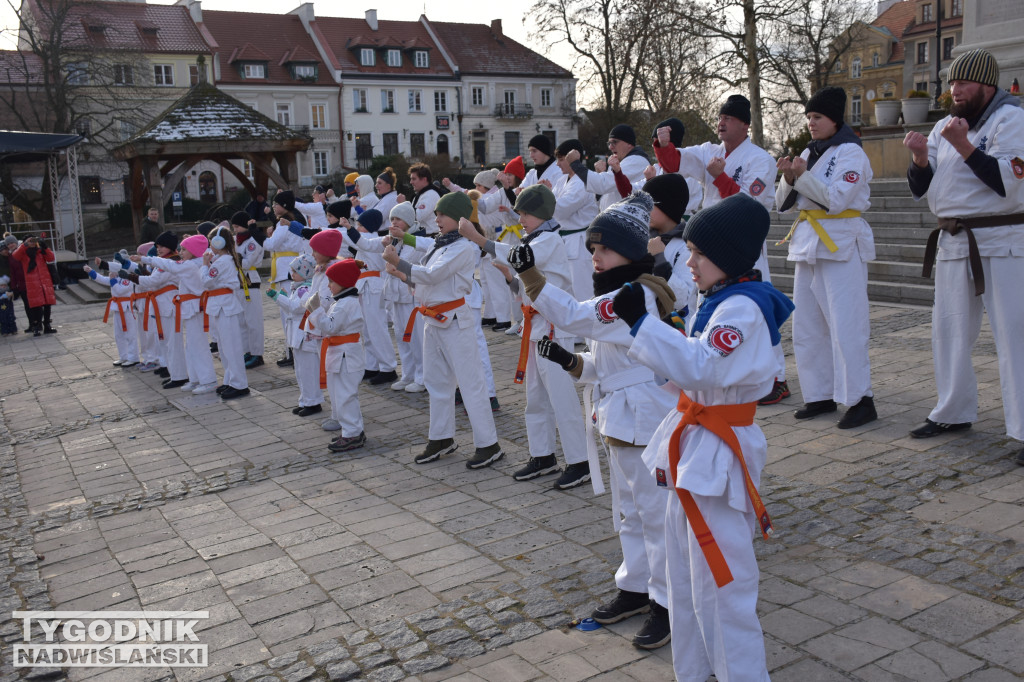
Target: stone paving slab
[(894, 558)]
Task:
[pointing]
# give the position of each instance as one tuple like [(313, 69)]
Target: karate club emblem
[(756, 187), (213, 272), (251, 247), (1018, 167), (851, 176), (724, 339), (605, 314)]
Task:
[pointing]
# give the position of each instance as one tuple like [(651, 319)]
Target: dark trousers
[(39, 316)]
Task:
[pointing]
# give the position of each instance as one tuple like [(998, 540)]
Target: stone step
[(87, 291), (878, 219), (887, 292), (878, 270), (907, 236), (898, 253)]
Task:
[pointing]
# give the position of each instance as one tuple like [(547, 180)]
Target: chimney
[(371, 19), (496, 26)]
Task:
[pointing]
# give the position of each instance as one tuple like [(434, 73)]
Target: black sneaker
[(163, 373), (574, 475), (537, 466), (501, 326), (624, 605), (254, 361), (384, 378), (494, 404), (860, 414), (487, 321), (931, 428), (287, 361), (485, 457), (174, 383), (435, 449), (369, 374), (311, 409), (231, 393), (222, 388), (346, 443), (655, 632), (815, 408), (780, 391), (214, 348)]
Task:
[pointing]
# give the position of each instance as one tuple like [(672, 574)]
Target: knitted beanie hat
[(286, 199), (144, 248), (11, 241), (623, 226), (542, 143), (196, 244), (623, 133), (340, 209), (350, 184), (830, 101), (568, 145), (486, 178), (371, 220), (731, 233), (977, 65), (676, 134), (536, 200), (303, 266), (344, 273), (326, 243), (515, 167), (455, 205), (736, 106), (670, 194), (404, 212), (241, 218), (168, 240), (204, 227)]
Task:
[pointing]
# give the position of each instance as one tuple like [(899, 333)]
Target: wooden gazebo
[(206, 124)]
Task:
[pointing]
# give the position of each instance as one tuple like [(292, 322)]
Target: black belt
[(957, 225)]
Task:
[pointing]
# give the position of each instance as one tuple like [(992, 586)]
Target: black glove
[(521, 258), (123, 274), (308, 232), (548, 349), (629, 303)]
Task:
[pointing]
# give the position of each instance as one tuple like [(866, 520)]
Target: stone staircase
[(83, 291), (901, 227)]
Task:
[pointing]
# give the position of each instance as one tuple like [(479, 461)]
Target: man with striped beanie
[(971, 167)]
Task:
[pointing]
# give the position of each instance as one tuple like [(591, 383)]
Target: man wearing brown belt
[(972, 168)]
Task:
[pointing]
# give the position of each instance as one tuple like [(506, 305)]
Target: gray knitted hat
[(623, 226)]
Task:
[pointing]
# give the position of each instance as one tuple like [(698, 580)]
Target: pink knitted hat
[(144, 248), (196, 245)]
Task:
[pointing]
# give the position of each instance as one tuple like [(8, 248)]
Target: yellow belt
[(812, 217), (273, 264), (516, 229)]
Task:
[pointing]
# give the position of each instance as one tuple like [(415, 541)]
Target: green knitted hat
[(455, 205), (536, 200)]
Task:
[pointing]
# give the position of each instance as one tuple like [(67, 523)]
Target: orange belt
[(205, 297), (178, 300), (524, 346), (436, 312), (327, 342), (719, 420), (119, 300), (302, 322), (369, 273), (151, 298)]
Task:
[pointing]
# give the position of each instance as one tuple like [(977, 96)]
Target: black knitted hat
[(340, 209), (736, 106), (624, 133), (677, 133), (830, 101), (168, 240), (731, 233), (670, 194), (287, 200), (623, 226), (241, 218), (542, 143), (568, 145)]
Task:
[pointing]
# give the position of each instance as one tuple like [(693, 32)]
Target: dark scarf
[(546, 226), (31, 252), (616, 278), (240, 237), (775, 306), (541, 167), (345, 293), (442, 241), (816, 149)]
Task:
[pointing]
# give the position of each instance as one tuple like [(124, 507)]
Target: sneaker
[(383, 378), (232, 393), (500, 326), (254, 361), (656, 631), (813, 409), (247, 356), (400, 385), (49, 330), (369, 374), (574, 475), (214, 348), (488, 321), (494, 404), (330, 425), (779, 393), (189, 386), (413, 387), (346, 443), (131, 363), (436, 448), (625, 605), (537, 466), (860, 414), (148, 366), (163, 372), (204, 388), (287, 361), (485, 457), (514, 330), (931, 428), (175, 383), (222, 388), (310, 410), (115, 363)]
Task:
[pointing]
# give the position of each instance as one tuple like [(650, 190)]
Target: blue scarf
[(775, 305)]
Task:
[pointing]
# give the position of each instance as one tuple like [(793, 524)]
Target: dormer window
[(422, 59), (305, 71), (394, 57), (254, 71), (926, 13), (367, 57)]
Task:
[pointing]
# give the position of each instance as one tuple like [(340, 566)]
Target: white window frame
[(856, 109), (247, 170), (318, 122), (839, 66), (440, 101), (927, 13), (367, 56), (415, 101), (855, 67), (480, 101), (387, 101), (286, 109), (360, 101), (164, 70), (917, 52), (875, 60), (124, 74), (254, 71), (305, 71), (394, 57), (546, 93), (321, 163), (421, 59)]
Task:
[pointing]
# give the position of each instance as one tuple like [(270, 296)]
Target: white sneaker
[(204, 388), (190, 386), (413, 387), (514, 330), (400, 384), (330, 425)]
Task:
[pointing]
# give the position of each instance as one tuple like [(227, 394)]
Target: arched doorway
[(208, 187), (442, 144)]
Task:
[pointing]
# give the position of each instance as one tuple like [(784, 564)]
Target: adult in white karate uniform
[(575, 209), (601, 181)]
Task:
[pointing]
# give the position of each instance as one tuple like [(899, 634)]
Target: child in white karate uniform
[(305, 348), (125, 326), (222, 278), (250, 252)]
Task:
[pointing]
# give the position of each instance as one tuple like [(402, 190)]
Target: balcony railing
[(513, 111)]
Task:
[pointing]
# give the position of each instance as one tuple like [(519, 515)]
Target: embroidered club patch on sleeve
[(251, 247), (1017, 164), (213, 272), (756, 187), (724, 339), (603, 309), (851, 176)]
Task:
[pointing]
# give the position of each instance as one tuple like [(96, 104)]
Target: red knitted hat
[(344, 273), (515, 167), (326, 243)]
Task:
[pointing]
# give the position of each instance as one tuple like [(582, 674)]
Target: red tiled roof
[(948, 24), (476, 49), (345, 35), (18, 67), (895, 20), (234, 31), (123, 26)]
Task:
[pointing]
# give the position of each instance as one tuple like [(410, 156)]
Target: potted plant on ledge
[(887, 111), (915, 107)]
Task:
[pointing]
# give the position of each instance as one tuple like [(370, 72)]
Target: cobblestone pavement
[(895, 559)]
